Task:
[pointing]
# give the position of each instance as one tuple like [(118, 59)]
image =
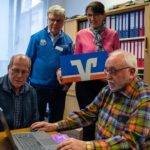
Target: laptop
[(39, 140)]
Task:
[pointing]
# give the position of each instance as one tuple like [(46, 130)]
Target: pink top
[(85, 41)]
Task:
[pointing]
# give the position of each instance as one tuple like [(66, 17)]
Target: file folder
[(136, 49), (121, 45), (127, 25), (140, 64), (137, 23), (126, 46), (124, 25), (141, 23), (120, 25), (108, 21), (132, 24), (113, 22), (117, 23), (129, 46)]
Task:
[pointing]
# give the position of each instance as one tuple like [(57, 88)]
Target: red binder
[(141, 23)]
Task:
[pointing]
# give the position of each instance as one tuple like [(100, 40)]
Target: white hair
[(130, 59), (56, 10)]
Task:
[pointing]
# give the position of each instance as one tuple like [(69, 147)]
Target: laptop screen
[(6, 128)]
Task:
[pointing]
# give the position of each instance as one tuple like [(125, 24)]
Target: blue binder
[(117, 23), (120, 25), (123, 25), (132, 24), (136, 23), (127, 25), (113, 22)]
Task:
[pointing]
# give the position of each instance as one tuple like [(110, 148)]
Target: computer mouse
[(34, 130)]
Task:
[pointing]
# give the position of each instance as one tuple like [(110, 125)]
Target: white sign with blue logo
[(83, 67)]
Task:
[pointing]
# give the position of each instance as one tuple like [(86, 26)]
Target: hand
[(44, 126), (72, 144), (59, 76)]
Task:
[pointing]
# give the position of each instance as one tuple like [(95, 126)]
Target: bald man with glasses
[(121, 110), (17, 98)]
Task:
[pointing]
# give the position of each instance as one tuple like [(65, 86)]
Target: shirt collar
[(11, 88), (131, 89), (51, 34)]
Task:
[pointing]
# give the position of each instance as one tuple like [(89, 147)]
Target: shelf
[(132, 39)]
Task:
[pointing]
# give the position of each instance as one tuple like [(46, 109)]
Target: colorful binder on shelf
[(82, 67)]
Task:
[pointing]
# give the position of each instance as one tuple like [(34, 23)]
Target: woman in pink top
[(95, 38)]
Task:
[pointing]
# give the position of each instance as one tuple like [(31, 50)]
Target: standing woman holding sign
[(95, 38)]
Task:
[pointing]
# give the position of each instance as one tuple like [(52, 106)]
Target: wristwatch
[(88, 146)]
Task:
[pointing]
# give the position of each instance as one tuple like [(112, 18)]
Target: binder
[(132, 24), (136, 49), (87, 24), (123, 25), (136, 23), (144, 23), (129, 46), (126, 46), (120, 25), (141, 23), (80, 26), (117, 23), (83, 24), (140, 54), (121, 44), (127, 25), (113, 22), (132, 47), (108, 21)]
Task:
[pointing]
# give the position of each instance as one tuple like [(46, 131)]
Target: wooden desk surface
[(4, 142)]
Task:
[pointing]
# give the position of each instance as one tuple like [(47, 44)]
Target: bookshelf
[(71, 27)]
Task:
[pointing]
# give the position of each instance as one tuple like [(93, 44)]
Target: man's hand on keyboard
[(44, 126)]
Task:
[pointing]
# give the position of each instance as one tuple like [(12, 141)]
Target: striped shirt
[(123, 118)]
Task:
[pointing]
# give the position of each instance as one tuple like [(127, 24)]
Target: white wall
[(77, 7), (4, 15)]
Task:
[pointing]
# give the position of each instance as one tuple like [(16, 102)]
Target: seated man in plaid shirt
[(121, 110), (17, 98)]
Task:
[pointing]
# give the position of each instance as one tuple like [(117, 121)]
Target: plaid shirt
[(123, 118), (18, 111)]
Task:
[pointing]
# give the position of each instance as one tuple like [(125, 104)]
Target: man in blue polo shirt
[(44, 49)]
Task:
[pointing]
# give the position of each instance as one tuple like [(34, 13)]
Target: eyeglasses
[(113, 71), (93, 15), (55, 20), (17, 71)]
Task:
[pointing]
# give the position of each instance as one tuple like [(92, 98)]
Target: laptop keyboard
[(28, 142)]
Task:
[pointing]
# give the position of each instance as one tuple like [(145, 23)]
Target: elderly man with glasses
[(45, 48), (17, 98), (121, 110)]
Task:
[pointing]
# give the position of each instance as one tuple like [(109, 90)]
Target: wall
[(4, 17), (77, 7)]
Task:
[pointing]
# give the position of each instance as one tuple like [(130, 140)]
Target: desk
[(4, 142)]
